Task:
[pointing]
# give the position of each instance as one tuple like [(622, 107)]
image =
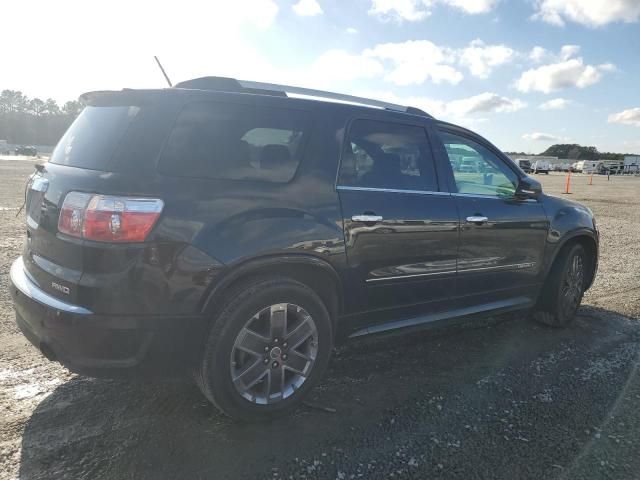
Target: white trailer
[(541, 166), (586, 166), (631, 164)]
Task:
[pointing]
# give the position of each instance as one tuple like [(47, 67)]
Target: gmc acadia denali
[(235, 231)]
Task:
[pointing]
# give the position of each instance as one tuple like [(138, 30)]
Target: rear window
[(93, 137), (235, 141)]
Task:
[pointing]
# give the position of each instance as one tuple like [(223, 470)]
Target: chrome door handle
[(477, 219), (367, 218)]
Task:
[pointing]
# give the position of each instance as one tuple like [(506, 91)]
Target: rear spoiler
[(124, 97)]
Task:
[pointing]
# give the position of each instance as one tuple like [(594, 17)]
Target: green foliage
[(572, 151), (34, 121), (578, 152), (613, 156)]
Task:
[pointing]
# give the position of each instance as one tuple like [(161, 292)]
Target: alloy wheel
[(274, 353), (572, 286)]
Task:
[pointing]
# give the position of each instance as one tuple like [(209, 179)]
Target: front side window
[(235, 141), (476, 169), (387, 156)]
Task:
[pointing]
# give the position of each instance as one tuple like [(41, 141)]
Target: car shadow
[(377, 394)]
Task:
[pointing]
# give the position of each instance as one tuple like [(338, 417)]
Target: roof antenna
[(163, 72)]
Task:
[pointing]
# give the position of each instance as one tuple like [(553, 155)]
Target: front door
[(502, 238), (401, 229)]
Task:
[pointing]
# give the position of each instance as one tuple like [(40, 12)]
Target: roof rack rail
[(247, 86)]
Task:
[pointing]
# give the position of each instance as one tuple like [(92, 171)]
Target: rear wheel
[(562, 294), (268, 347)]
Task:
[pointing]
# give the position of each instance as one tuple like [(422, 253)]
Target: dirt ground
[(496, 398)]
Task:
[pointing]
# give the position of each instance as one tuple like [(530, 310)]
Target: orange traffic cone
[(567, 185)]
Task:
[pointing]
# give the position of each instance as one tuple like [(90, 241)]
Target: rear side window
[(235, 141), (387, 156), (93, 137)]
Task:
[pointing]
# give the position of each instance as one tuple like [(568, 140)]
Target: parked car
[(524, 164), (541, 166), (612, 168), (27, 151), (269, 228), (468, 165)]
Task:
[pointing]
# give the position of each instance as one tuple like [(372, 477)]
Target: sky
[(523, 73)]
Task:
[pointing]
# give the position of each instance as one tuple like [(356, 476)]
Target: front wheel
[(562, 294), (267, 348)]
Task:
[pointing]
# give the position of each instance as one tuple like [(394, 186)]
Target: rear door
[(502, 238), (401, 228)]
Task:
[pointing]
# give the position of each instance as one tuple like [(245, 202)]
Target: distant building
[(632, 163)]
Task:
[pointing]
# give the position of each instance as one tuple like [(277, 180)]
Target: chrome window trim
[(390, 190), (477, 195), (22, 282)]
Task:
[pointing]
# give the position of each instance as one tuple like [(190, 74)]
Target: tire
[(249, 317), (564, 289)]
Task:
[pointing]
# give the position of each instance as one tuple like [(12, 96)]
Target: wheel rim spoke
[(297, 362), (301, 333), (252, 342), (251, 375), (275, 384), (278, 320)]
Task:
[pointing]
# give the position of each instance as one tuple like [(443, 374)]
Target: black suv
[(225, 228)]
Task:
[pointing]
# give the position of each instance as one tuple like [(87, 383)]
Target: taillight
[(108, 218)]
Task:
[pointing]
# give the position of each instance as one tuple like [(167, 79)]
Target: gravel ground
[(496, 398)]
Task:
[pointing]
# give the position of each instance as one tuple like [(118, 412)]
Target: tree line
[(33, 121), (573, 151)]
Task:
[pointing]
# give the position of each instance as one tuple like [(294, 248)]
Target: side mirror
[(528, 188)]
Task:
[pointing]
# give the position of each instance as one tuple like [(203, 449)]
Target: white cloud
[(409, 10), (538, 54), (555, 104), (627, 117), (415, 61), (569, 51), (481, 58), (593, 13), (307, 8), (485, 102), (540, 137), (415, 10), (464, 110), (564, 73), (339, 65), (352, 31), (472, 6), (104, 60)]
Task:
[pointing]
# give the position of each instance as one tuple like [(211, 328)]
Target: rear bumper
[(102, 345)]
